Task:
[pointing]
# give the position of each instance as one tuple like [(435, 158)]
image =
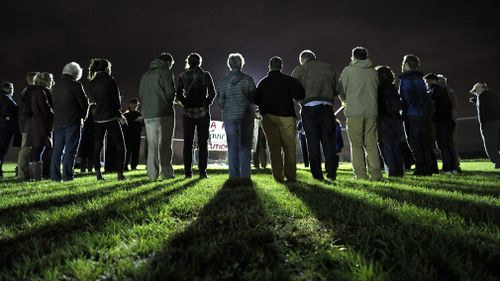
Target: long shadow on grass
[(231, 239), (473, 211), (407, 249), (90, 220), (453, 184)]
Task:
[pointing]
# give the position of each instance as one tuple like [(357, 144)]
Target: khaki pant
[(159, 133), (363, 136), (280, 133)]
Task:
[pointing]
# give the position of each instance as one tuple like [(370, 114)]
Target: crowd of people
[(57, 122)]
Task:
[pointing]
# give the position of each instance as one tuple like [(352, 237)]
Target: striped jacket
[(236, 95)]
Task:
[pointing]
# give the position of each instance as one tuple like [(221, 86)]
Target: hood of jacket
[(235, 76), (411, 74), (362, 63), (157, 63)]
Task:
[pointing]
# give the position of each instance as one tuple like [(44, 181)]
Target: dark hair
[(97, 65), (276, 63), (166, 57), (134, 100), (431, 76), (412, 61), (193, 60), (30, 77), (360, 53), (385, 74), (5, 86)]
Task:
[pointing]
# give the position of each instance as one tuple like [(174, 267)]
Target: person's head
[(235, 61), (133, 104), (431, 79), (479, 88), (73, 69), (193, 60), (359, 53), (306, 56), (97, 65), (275, 63), (30, 77), (410, 62), (44, 79), (7, 88), (168, 58), (385, 74)]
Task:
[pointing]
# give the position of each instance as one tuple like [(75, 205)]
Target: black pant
[(444, 137), (419, 139), (201, 125), (319, 125), (115, 134), (133, 147), (303, 146), (390, 132), (5, 138)]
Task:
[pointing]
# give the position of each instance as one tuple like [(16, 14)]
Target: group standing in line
[(51, 116)]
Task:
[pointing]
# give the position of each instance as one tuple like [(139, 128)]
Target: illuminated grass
[(436, 228)]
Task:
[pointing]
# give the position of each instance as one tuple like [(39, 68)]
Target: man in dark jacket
[(195, 92), (8, 119), (489, 120), (157, 94), (70, 108), (416, 105), (132, 134), (275, 96)]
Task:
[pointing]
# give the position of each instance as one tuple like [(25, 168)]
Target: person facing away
[(157, 93), (132, 134), (86, 146), (487, 105), (339, 142), (319, 81), (260, 147), (107, 114), (443, 122), (416, 109), (25, 151), (70, 109), (275, 97), (39, 123), (359, 81), (195, 92), (390, 123), (236, 96), (8, 119)]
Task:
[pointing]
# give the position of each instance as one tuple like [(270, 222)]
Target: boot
[(98, 175), (120, 176), (35, 171)]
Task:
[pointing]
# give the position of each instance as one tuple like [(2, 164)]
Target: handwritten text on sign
[(217, 140)]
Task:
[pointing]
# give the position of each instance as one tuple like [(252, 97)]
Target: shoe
[(121, 177), (188, 176), (203, 176), (98, 176), (455, 172), (448, 173)]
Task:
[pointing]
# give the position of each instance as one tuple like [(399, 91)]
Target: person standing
[(107, 114), (24, 153), (303, 143), (195, 92), (390, 124), (132, 134), (70, 109), (320, 83), (157, 94), (360, 85), (236, 95), (489, 120), (86, 146), (275, 95), (8, 120), (416, 108), (39, 123), (260, 152)]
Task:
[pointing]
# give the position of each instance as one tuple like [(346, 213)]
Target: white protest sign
[(217, 136)]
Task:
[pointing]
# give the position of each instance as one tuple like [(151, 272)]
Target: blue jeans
[(66, 140), (239, 135)]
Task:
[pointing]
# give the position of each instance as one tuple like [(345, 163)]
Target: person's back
[(488, 107), (237, 90), (318, 80), (360, 83), (106, 96), (413, 94), (157, 90), (70, 102), (195, 88), (276, 93), (389, 103), (442, 104)]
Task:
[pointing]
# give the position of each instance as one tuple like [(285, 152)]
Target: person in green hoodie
[(360, 82), (157, 93)]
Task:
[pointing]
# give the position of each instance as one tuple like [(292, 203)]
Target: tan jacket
[(359, 81), (318, 79)]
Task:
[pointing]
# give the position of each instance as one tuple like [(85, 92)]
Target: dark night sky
[(459, 39)]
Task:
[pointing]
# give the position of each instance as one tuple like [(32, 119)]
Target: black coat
[(39, 117), (195, 88), (276, 92), (70, 102), (442, 104), (488, 107), (105, 94), (389, 102)]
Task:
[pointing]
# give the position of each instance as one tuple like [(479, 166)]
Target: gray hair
[(73, 69), (235, 61), (306, 55), (44, 79)]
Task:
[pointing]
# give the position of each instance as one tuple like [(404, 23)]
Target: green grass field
[(433, 228)]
